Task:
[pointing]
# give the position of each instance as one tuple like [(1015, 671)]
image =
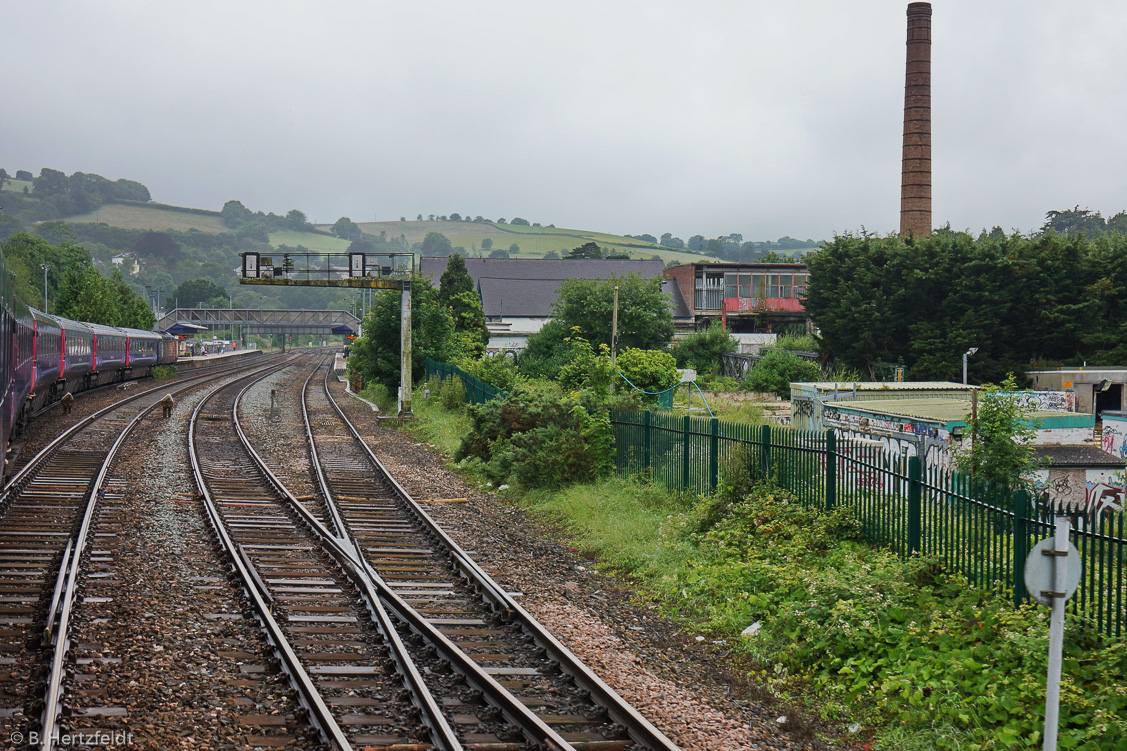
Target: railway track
[(47, 548), (447, 597)]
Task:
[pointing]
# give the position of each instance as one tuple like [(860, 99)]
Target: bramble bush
[(871, 638), (539, 439)]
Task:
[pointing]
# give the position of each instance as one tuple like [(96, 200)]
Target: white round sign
[(1039, 571)]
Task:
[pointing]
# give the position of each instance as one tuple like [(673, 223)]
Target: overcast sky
[(766, 118)]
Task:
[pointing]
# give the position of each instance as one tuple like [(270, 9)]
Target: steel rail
[(376, 590), (307, 692), (62, 605), (640, 729)]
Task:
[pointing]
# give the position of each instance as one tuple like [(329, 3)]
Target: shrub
[(585, 369), (163, 372), (648, 369), (777, 370), (499, 370), (702, 351), (539, 439)]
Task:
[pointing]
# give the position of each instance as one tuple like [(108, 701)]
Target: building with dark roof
[(517, 294)]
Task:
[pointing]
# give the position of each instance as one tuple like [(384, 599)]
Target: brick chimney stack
[(915, 179)]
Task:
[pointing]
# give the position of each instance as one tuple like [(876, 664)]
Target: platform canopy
[(251, 321)]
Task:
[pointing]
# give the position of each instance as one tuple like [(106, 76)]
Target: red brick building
[(746, 297)]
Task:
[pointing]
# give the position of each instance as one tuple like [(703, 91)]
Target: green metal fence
[(981, 531), (477, 391)]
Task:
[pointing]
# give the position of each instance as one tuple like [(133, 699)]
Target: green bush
[(538, 439), (547, 352), (163, 372), (648, 369), (778, 369), (379, 395), (584, 368), (701, 351), (499, 370)]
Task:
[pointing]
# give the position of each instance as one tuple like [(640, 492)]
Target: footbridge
[(249, 321)]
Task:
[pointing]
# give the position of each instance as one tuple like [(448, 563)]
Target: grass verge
[(905, 653)]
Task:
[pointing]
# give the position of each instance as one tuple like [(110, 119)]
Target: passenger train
[(43, 357)]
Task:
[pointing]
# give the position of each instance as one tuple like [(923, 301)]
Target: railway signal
[(363, 271)]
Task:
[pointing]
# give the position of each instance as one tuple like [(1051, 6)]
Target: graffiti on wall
[(1113, 438), (872, 426), (1064, 401), (1086, 493)]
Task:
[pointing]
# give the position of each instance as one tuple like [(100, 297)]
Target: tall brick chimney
[(915, 177)]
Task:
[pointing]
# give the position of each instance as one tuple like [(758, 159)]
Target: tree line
[(74, 286), (1052, 298)]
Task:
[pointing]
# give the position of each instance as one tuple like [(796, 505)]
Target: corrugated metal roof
[(951, 411), (1073, 456), (845, 388)]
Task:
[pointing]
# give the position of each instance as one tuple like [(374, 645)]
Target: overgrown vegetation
[(778, 369), (1004, 432), (163, 372), (909, 652)]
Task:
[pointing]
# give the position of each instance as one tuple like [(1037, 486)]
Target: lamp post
[(966, 354), (45, 267)]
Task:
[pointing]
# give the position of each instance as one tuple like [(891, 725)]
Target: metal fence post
[(1020, 508), (831, 470), (646, 439), (765, 452), (685, 438), (915, 493), (714, 454)]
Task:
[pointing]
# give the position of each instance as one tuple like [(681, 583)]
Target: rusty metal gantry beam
[(349, 270)]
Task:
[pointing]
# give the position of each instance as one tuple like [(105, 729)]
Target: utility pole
[(614, 328), (45, 267)]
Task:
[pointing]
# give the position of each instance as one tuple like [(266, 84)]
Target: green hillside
[(534, 242), (152, 217)]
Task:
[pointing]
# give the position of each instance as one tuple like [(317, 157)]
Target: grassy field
[(316, 243), (17, 186), (150, 218), (534, 242)]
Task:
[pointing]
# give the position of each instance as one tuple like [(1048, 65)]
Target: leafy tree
[(517, 220), (498, 253), (778, 369), (584, 369), (346, 229), (191, 293), (24, 175), (645, 318), (588, 250), (647, 238), (159, 246), (696, 243), (436, 244), (455, 217), (4, 177), (376, 354), (547, 351), (85, 295), (514, 249), (132, 310), (669, 241), (487, 243), (1004, 432), (9, 226), (56, 232), (551, 255), (296, 220), (1073, 221), (702, 351), (456, 291)]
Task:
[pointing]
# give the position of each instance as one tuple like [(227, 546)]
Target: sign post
[(1052, 573)]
